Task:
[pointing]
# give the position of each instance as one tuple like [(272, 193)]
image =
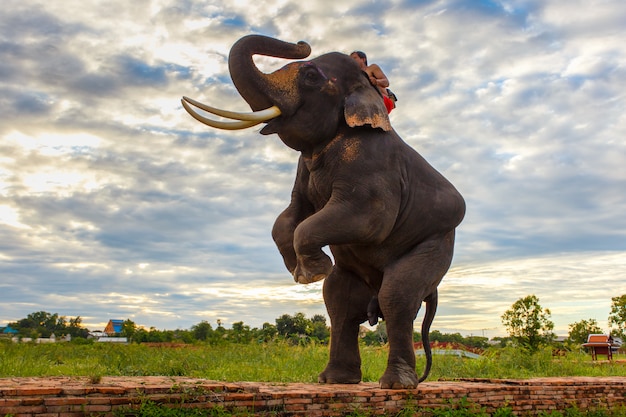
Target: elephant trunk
[(262, 90)]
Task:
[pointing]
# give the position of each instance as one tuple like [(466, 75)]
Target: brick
[(65, 401), (274, 402), (239, 397), (32, 401), (97, 408), (78, 391), (39, 391), (33, 409), (247, 404), (123, 400), (298, 401), (72, 414), (295, 407), (99, 400), (376, 399), (523, 396), (294, 394), (325, 394), (111, 390), (10, 402)]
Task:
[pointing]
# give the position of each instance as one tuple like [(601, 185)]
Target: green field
[(274, 362)]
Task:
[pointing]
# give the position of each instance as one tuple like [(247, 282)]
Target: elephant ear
[(365, 106)]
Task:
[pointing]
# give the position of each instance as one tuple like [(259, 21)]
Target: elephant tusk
[(257, 116), (242, 124), (244, 120)]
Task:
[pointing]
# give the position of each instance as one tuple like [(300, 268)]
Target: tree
[(41, 324), (528, 323), (202, 331), (129, 328), (240, 333), (377, 336), (437, 336), (298, 329), (184, 336), (617, 317), (579, 331), (75, 328), (319, 329), (480, 342), (267, 332), (298, 325)]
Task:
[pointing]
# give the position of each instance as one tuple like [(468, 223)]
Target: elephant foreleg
[(282, 233), (285, 225), (338, 223)]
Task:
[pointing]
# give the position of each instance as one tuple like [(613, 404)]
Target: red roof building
[(600, 344)]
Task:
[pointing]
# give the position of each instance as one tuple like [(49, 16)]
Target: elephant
[(387, 216)]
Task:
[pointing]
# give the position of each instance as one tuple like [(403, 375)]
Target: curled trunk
[(255, 86)]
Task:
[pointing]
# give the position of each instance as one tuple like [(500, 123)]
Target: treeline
[(44, 324), (296, 329), (529, 325)]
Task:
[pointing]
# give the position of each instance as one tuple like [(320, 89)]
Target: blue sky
[(114, 203)]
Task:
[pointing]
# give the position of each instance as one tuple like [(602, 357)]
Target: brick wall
[(74, 397)]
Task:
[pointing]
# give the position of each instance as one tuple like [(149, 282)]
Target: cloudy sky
[(114, 203)]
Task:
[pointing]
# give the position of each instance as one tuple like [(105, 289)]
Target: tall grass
[(272, 362)]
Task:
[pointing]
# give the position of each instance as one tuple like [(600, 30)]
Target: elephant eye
[(312, 76)]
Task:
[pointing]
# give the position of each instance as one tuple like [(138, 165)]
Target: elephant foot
[(339, 376), (312, 269), (399, 377)]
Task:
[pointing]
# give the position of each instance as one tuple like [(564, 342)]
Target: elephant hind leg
[(406, 284)]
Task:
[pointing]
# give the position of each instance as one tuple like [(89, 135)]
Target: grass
[(272, 362)]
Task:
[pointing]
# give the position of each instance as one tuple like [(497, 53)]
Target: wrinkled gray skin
[(388, 216)]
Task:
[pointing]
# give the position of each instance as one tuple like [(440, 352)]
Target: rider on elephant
[(377, 78)]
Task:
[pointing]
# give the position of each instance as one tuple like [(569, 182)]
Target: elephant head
[(305, 102)]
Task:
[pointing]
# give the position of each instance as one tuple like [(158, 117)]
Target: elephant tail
[(429, 315)]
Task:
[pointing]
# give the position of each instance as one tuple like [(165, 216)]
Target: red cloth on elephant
[(389, 104)]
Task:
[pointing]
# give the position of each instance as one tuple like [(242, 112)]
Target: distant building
[(101, 336), (617, 344), (51, 339), (8, 330), (448, 348), (114, 327), (113, 339), (601, 344)]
